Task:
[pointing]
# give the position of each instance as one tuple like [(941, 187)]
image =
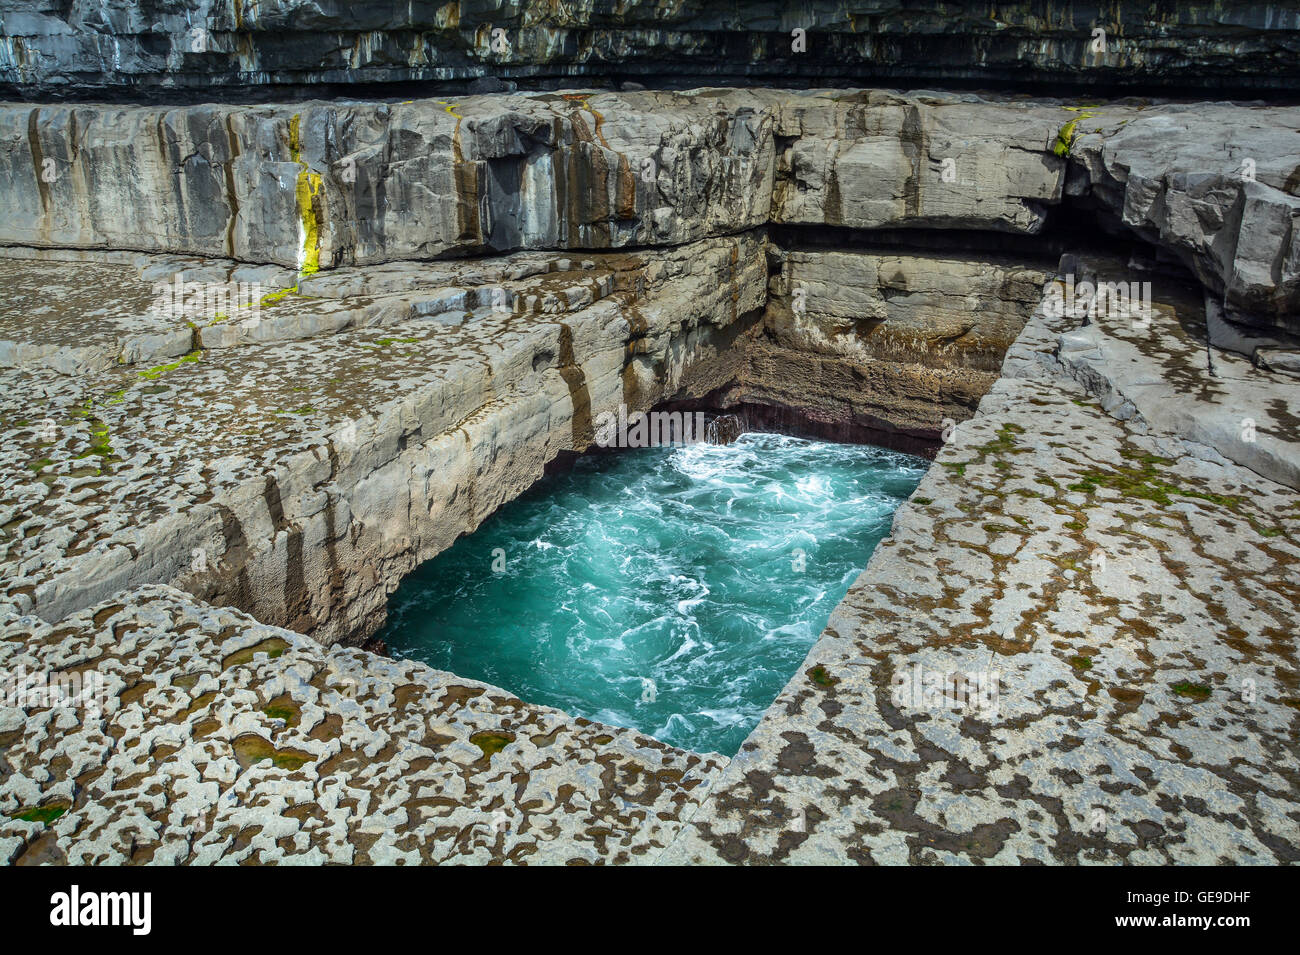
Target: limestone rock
[(283, 45), (1216, 184), (325, 185)]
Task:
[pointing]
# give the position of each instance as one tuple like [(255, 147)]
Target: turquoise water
[(660, 588)]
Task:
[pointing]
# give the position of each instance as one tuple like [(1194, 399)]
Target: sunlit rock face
[(322, 185), (255, 46)]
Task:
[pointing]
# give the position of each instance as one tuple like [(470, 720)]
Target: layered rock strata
[(903, 344), (325, 185), (49, 48), (298, 462)]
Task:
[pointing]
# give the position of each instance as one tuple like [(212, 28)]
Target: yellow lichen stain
[(307, 191), (582, 99), (465, 175)]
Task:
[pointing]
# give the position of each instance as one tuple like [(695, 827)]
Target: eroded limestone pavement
[(1136, 595), (201, 507)]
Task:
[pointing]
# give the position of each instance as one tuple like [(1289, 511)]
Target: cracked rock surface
[(1100, 568), (299, 462), (1136, 594), (1131, 587), (216, 739)]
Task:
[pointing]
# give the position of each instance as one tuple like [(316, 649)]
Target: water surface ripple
[(671, 590)]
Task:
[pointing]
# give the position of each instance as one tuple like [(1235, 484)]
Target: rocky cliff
[(858, 260), (328, 184), (246, 48)]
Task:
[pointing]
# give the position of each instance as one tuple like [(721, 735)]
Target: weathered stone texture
[(1134, 591), (1216, 184), (334, 184), (49, 47), (311, 455), (454, 288), (218, 739), (901, 342)]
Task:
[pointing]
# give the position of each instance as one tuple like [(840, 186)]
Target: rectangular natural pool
[(673, 590)]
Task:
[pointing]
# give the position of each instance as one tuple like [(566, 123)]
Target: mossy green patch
[(251, 749), (994, 529), (100, 443), (1081, 663), (1065, 137), (45, 814), (1069, 132), (491, 743), (307, 191), (283, 707), (272, 297), (821, 676), (157, 371), (1191, 691), (272, 647), (1004, 442), (1144, 482)]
